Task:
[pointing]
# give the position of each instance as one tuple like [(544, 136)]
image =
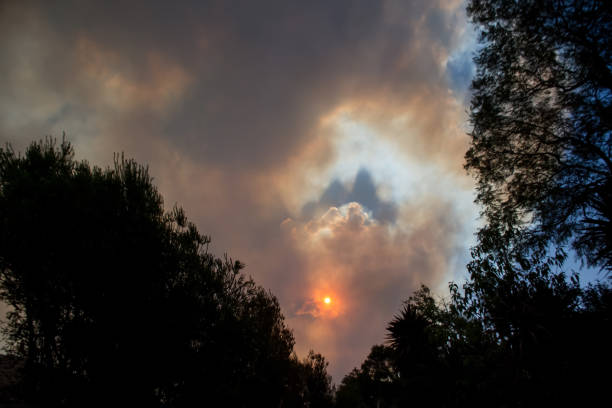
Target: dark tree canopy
[(520, 332), (309, 384), (541, 111), (115, 301), (544, 344), (373, 384), (541, 152)]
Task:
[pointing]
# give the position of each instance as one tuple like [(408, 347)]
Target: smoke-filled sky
[(319, 142)]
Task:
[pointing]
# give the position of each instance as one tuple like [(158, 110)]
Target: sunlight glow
[(325, 302)]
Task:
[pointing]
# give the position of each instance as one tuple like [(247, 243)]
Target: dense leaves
[(541, 147), (309, 384), (372, 385), (545, 344), (115, 301), (541, 152)]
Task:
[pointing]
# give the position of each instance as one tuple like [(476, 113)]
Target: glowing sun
[(327, 300)]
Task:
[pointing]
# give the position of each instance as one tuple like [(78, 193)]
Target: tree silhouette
[(116, 301), (309, 384), (374, 384), (541, 144), (542, 342), (541, 151), (318, 391), (420, 338)]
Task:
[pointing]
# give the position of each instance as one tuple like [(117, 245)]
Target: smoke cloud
[(319, 142)]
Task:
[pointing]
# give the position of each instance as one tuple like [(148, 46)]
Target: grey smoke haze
[(319, 142)]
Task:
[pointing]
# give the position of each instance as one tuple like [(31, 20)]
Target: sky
[(320, 142)]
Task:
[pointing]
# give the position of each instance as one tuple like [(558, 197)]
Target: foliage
[(309, 384), (115, 300), (372, 385), (543, 342), (541, 151), (541, 144)]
